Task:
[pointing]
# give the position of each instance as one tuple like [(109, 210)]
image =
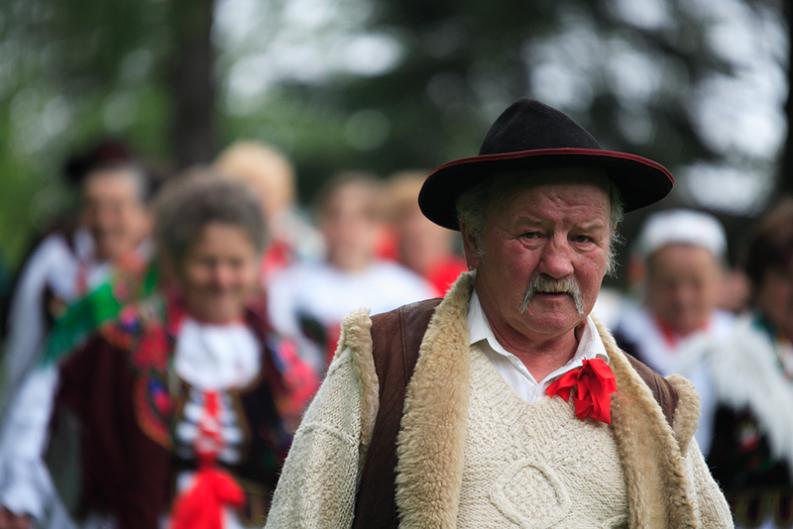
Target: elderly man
[(681, 253), (506, 405)]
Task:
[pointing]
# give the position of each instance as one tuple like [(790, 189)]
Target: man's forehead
[(580, 201)]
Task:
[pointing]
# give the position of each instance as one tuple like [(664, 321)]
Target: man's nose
[(556, 260)]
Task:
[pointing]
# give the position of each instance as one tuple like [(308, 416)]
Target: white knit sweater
[(535, 465), (319, 479), (549, 468), (665, 482)]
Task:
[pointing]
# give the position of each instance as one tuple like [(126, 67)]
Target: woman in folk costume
[(55, 306), (183, 403), (26, 489), (110, 230), (752, 371)]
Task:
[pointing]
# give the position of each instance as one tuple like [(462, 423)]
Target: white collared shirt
[(216, 357), (512, 369)]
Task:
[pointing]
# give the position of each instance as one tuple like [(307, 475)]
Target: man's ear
[(471, 248)]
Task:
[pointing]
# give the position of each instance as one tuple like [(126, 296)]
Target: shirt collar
[(589, 344)]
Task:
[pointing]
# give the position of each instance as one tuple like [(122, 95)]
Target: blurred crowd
[(174, 333), (161, 343)]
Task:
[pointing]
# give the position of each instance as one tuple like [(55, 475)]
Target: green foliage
[(73, 70)]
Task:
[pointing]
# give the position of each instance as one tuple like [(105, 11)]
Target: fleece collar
[(430, 445)]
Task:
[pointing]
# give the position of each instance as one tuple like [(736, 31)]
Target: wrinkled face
[(683, 286), (219, 273), (553, 235), (775, 299), (114, 213), (350, 226)]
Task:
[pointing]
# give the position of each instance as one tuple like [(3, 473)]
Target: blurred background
[(354, 94), (700, 85)]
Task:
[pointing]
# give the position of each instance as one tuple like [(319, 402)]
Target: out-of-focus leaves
[(424, 88)]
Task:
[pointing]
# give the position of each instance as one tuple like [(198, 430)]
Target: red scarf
[(201, 505), (592, 385)]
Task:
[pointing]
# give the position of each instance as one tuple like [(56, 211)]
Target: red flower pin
[(594, 383)]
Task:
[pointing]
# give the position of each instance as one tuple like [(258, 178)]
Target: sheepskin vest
[(396, 340)]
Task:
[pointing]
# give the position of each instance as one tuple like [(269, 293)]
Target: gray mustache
[(543, 283)]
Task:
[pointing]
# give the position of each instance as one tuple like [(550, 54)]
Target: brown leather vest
[(396, 337)]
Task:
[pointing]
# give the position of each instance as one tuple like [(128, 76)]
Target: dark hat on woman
[(105, 153), (529, 136)]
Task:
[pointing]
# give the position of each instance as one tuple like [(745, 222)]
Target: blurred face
[(273, 189), (350, 226), (545, 252), (421, 242), (114, 213), (683, 286), (219, 273), (775, 299)]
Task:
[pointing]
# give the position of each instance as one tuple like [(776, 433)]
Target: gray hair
[(200, 198), (474, 204)]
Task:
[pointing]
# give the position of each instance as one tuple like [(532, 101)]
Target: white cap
[(681, 226)]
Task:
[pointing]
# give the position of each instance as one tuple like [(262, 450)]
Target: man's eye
[(531, 235), (583, 238)]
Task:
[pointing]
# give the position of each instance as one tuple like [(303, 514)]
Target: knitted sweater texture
[(535, 465), (471, 454), (324, 456)]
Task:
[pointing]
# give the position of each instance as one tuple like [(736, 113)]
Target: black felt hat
[(528, 136)]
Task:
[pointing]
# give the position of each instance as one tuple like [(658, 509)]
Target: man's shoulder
[(424, 306), (397, 336), (413, 317), (416, 316), (663, 391)]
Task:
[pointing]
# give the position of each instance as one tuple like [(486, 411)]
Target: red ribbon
[(201, 506), (594, 383)]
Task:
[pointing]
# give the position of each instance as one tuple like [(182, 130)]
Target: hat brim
[(640, 181)]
